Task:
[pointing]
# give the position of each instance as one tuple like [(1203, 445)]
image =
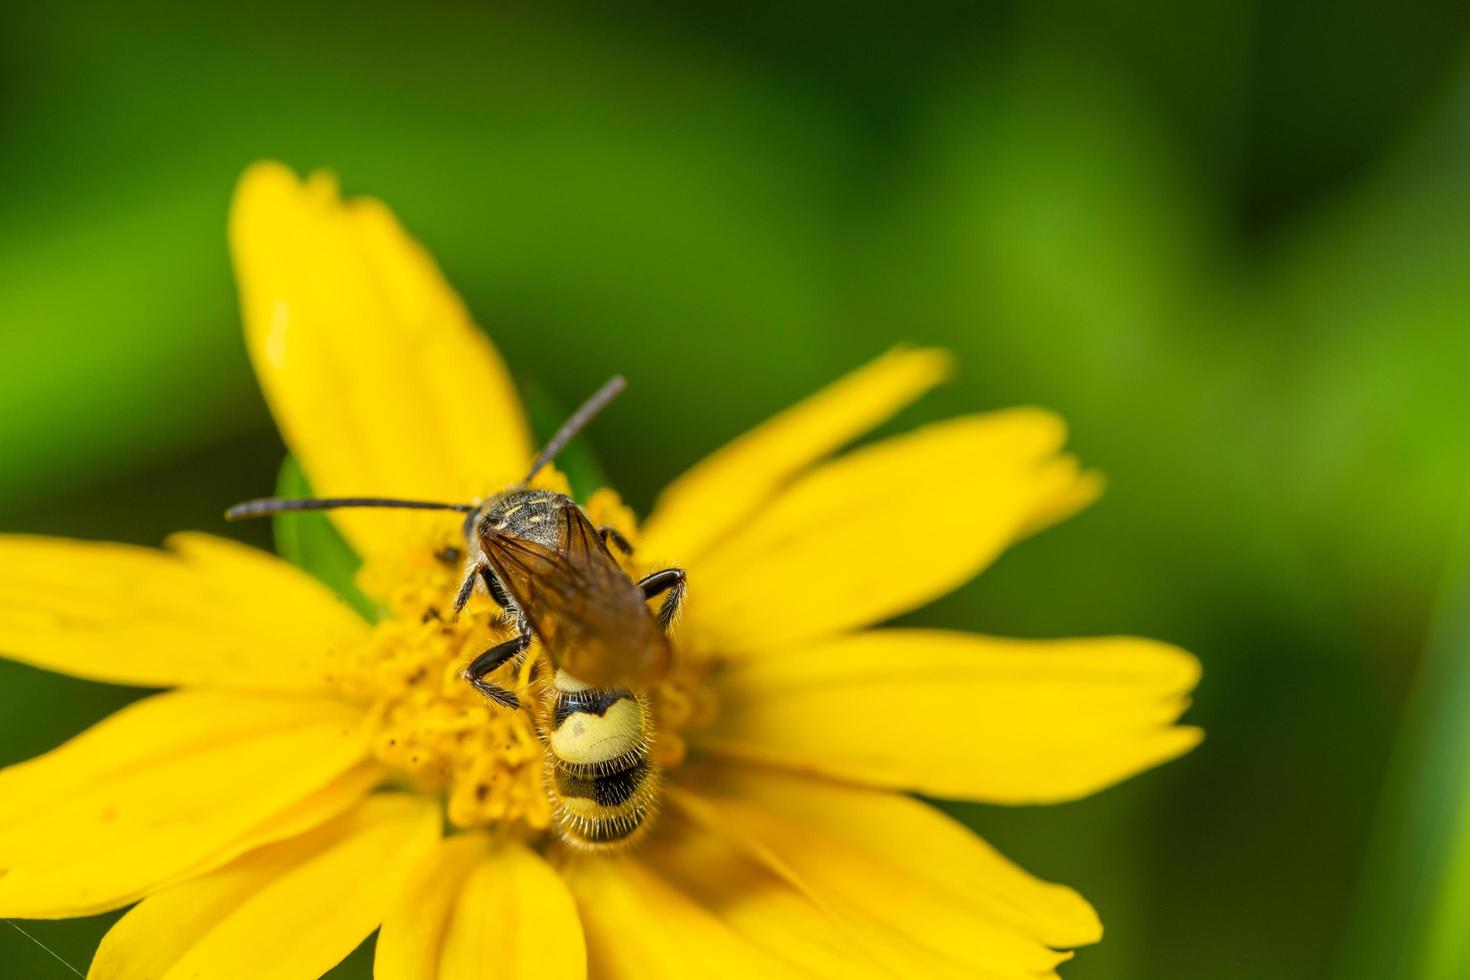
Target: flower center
[(438, 734)]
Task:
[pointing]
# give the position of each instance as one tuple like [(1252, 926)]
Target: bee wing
[(587, 613), (583, 543)]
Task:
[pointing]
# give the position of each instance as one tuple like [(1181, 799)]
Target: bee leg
[(482, 573), (488, 661), (611, 535), (672, 581), (493, 586), (465, 589)]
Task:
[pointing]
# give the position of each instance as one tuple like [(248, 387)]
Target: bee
[(553, 573)]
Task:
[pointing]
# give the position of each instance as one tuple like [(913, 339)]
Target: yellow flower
[(313, 776)]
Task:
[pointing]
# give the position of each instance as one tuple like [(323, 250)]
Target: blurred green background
[(1229, 241)]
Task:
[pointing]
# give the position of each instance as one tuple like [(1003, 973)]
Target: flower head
[(313, 776)]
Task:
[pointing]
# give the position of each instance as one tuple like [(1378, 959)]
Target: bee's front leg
[(465, 589), (493, 586), (481, 572)]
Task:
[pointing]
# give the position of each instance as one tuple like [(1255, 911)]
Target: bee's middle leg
[(487, 662), (612, 536)]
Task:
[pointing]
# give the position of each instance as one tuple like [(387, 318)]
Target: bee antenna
[(578, 421), (281, 505)]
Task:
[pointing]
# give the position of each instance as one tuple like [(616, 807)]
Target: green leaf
[(310, 541), (1413, 907)]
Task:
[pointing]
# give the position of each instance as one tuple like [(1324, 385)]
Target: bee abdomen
[(603, 783), (609, 791), (608, 810)]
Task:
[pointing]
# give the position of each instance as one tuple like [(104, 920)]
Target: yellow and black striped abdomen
[(603, 782)]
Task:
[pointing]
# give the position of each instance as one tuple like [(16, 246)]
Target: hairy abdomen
[(603, 782)]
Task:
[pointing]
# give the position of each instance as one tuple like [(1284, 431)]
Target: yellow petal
[(926, 934), (380, 382), (961, 716), (1071, 490), (208, 612), (412, 937), (152, 936), (327, 803), (166, 786), (693, 905), (514, 919), (472, 911), (882, 530), (284, 912), (710, 500), (902, 873)]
